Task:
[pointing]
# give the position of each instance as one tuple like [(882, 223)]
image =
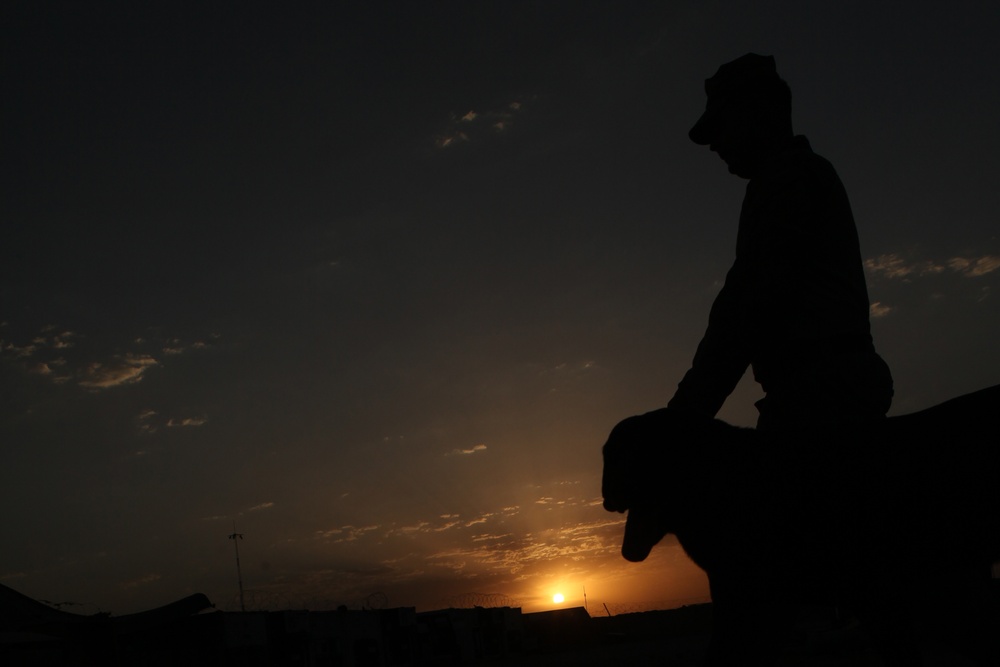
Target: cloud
[(39, 343), (187, 421), (451, 521), (41, 368), (482, 519), (974, 267), (419, 527), (476, 125), (877, 309), (471, 450), (485, 537), (895, 267), (19, 351), (175, 346), (445, 141), (346, 533), (127, 369), (511, 553), (144, 422), (261, 506), (50, 353)]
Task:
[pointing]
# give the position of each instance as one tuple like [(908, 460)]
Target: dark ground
[(679, 638)]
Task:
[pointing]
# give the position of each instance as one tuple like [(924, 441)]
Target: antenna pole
[(236, 537), (585, 598)]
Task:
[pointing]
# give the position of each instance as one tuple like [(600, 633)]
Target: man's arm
[(793, 283), (722, 356)]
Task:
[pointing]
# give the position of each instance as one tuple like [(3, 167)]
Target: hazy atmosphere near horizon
[(375, 280)]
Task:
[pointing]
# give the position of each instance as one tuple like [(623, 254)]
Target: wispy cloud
[(149, 422), (878, 309), (61, 356), (974, 266), (347, 533), (45, 341), (495, 548), (507, 552), (475, 125), (186, 422), (471, 450), (446, 526), (419, 527), (486, 537), (145, 422), (46, 367), (176, 346), (261, 506), (123, 370), (483, 518), (896, 267), (18, 351)]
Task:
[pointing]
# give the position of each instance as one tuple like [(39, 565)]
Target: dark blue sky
[(375, 279)]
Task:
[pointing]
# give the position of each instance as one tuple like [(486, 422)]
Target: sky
[(370, 283)]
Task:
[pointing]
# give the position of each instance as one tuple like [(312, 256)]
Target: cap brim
[(701, 132)]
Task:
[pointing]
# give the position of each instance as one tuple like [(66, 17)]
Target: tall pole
[(236, 537)]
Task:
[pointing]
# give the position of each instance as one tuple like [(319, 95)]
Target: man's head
[(748, 114)]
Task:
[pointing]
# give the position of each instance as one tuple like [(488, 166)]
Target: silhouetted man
[(794, 306)]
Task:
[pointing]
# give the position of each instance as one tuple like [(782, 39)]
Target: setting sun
[(558, 598)]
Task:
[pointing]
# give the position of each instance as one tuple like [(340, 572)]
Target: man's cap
[(732, 80)]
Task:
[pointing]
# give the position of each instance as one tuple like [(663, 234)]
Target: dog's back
[(949, 460)]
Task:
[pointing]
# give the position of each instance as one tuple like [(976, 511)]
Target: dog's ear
[(634, 459), (643, 531), (618, 482)]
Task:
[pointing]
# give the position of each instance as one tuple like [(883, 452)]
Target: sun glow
[(558, 598)]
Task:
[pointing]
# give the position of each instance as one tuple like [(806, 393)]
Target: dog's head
[(654, 466)]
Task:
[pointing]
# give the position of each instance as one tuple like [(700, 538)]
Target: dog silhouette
[(871, 518)]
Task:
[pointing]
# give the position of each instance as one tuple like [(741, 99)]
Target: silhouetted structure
[(399, 637), (236, 537), (558, 628), (32, 633)]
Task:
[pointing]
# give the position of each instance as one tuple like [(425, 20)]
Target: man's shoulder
[(802, 157), (801, 167)]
